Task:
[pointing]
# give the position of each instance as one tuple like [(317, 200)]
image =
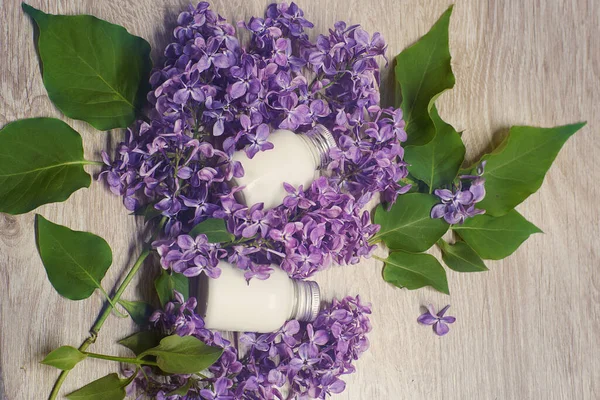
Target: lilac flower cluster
[(369, 156), (459, 203), (188, 255), (213, 97), (309, 231), (303, 359)]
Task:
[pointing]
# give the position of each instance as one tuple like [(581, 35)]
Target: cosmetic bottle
[(230, 303), (295, 158)]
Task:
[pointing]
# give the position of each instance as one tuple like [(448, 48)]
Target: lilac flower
[(300, 355), (196, 124), (190, 256), (255, 342), (288, 331), (459, 204), (178, 317), (438, 320), (221, 391), (212, 98), (258, 141)]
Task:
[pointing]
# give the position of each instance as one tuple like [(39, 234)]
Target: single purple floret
[(439, 321)]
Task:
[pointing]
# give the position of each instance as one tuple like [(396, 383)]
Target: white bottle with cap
[(230, 303), (295, 158)]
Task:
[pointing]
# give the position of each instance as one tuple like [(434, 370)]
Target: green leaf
[(423, 72), (75, 261), (148, 211), (414, 271), (437, 163), (167, 282), (110, 387), (41, 162), (460, 257), (495, 238), (65, 358), (138, 310), (93, 70), (183, 355), (408, 225), (141, 341), (517, 168), (214, 229)]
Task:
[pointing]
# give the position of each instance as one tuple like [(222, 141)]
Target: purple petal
[(338, 386), (164, 204), (464, 197), (478, 191), (219, 128), (438, 211), (292, 327), (321, 337), (181, 96), (427, 319), (443, 311), (184, 173), (238, 89), (449, 320), (440, 328), (186, 242), (444, 194), (262, 132), (193, 271)]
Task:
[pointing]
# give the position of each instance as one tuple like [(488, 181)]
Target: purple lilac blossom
[(308, 358), (308, 232), (459, 203), (439, 321), (213, 97)]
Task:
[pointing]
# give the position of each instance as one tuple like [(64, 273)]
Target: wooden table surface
[(527, 329)]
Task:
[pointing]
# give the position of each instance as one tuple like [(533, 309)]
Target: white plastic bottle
[(230, 303), (295, 159)]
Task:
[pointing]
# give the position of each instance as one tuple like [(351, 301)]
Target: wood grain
[(528, 329)]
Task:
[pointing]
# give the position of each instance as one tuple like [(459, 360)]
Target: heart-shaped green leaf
[(93, 70), (167, 282), (408, 225), (75, 261), (139, 311), (460, 257), (41, 161), (65, 358), (423, 72), (517, 168), (437, 163), (414, 271), (110, 387), (183, 355), (214, 229), (495, 238), (141, 341)]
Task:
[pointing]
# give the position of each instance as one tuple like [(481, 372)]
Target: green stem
[(378, 258), (113, 305), (120, 359), (107, 310), (87, 162), (374, 240)]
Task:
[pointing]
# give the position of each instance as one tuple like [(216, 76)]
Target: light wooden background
[(527, 329)]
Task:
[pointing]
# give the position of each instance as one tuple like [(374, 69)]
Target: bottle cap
[(308, 301), (324, 141)]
